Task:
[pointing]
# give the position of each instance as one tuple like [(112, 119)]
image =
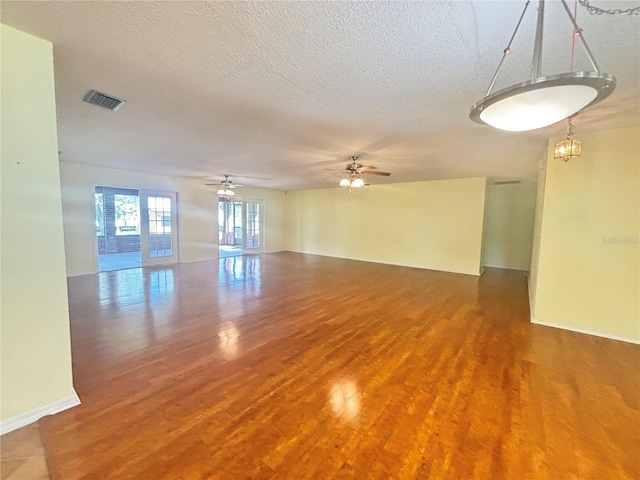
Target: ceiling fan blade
[(371, 172)]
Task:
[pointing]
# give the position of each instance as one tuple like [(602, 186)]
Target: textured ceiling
[(276, 93)]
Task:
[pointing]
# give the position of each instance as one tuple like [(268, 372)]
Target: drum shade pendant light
[(542, 100)]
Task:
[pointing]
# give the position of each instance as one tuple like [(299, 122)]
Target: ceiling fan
[(353, 171), (226, 186)]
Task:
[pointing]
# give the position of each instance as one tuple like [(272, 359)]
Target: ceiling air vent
[(507, 182), (103, 100)]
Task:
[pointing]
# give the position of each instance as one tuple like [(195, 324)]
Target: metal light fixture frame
[(603, 83)]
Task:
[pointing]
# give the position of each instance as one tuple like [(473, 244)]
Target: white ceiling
[(275, 93)]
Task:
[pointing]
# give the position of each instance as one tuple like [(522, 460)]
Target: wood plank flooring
[(291, 366)]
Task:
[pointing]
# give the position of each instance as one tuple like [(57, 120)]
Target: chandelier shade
[(543, 101)]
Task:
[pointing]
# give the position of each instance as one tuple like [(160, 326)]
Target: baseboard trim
[(586, 332), (27, 418), (506, 268)]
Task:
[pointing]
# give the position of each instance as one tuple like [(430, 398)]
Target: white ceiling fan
[(225, 187)]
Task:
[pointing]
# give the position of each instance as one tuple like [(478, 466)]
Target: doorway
[(240, 226), (230, 226), (134, 228), (117, 228)]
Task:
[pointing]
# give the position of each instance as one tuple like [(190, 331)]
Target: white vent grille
[(103, 100)]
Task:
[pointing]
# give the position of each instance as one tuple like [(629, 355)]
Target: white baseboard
[(27, 418), (506, 268), (585, 331)]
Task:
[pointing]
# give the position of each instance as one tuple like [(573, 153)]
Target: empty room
[(320, 240)]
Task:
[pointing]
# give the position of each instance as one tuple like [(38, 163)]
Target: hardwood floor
[(290, 366)]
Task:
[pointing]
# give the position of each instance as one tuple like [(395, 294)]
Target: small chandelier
[(542, 100), (569, 147)]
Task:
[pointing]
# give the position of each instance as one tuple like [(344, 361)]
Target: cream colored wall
[(35, 344), (197, 213), (588, 276), (435, 225), (508, 225)]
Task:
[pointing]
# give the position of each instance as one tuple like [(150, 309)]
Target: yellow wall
[(588, 256), (197, 213), (435, 225), (35, 344), (508, 225)]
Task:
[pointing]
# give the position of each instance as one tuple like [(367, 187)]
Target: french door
[(158, 228), (253, 226)]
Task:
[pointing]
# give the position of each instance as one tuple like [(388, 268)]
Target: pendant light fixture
[(569, 147), (542, 100)]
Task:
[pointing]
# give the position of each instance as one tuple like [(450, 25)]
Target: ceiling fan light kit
[(542, 100), (353, 171), (226, 186)]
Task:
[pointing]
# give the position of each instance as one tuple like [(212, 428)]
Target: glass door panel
[(159, 232), (230, 224), (253, 226)]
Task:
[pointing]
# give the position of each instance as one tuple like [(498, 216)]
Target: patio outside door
[(159, 239)]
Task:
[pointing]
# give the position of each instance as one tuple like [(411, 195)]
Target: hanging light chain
[(571, 130), (612, 11)]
